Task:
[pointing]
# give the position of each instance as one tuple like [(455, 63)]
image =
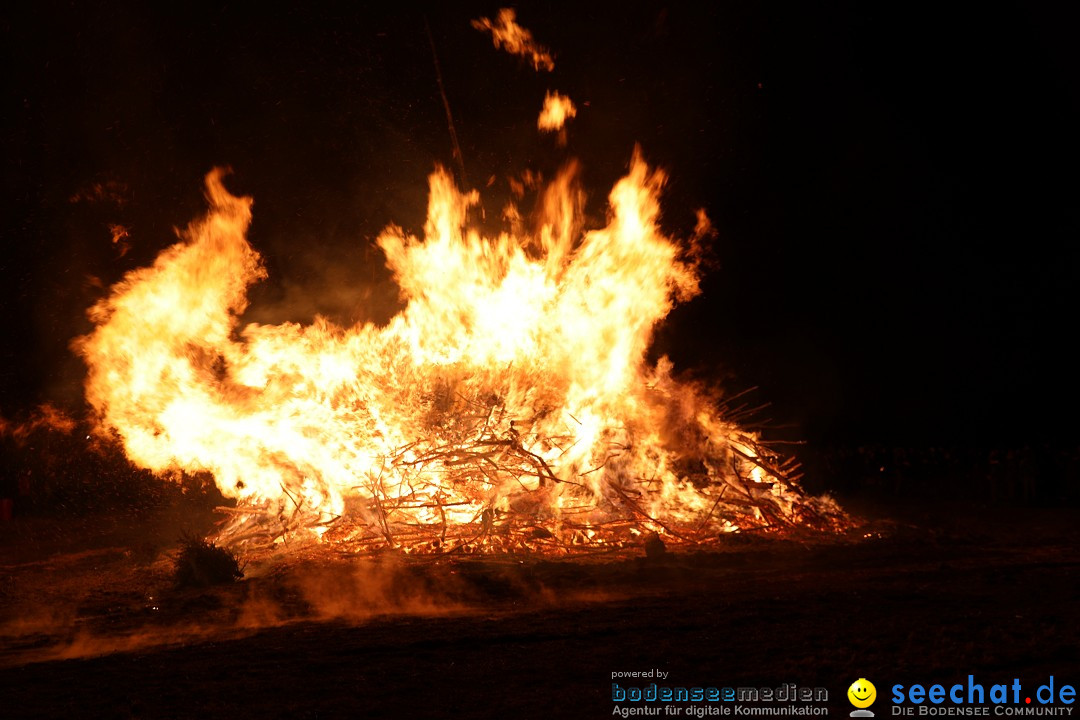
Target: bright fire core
[(508, 406)]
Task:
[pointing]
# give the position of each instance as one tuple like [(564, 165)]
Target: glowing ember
[(557, 110), (507, 35)]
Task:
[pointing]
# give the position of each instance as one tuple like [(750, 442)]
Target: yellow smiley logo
[(862, 693)]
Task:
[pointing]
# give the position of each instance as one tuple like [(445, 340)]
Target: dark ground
[(932, 596)]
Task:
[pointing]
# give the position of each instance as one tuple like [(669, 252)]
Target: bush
[(201, 564)]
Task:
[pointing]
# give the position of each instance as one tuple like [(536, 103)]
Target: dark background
[(893, 185)]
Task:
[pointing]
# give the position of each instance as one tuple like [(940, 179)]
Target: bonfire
[(509, 406)]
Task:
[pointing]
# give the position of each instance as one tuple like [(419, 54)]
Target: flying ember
[(558, 109)]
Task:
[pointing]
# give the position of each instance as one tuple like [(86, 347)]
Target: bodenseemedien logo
[(862, 695)]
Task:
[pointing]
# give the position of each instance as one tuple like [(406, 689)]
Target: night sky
[(893, 187)]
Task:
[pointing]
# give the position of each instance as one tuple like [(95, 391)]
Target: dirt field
[(99, 631)]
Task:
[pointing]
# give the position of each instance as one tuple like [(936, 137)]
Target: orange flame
[(557, 110), (507, 35)]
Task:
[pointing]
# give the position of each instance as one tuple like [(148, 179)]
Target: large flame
[(508, 404)]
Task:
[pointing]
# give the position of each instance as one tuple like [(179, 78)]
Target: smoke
[(46, 417), (99, 612), (348, 285)]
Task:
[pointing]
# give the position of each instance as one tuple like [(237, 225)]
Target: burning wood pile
[(508, 407), (744, 487)]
